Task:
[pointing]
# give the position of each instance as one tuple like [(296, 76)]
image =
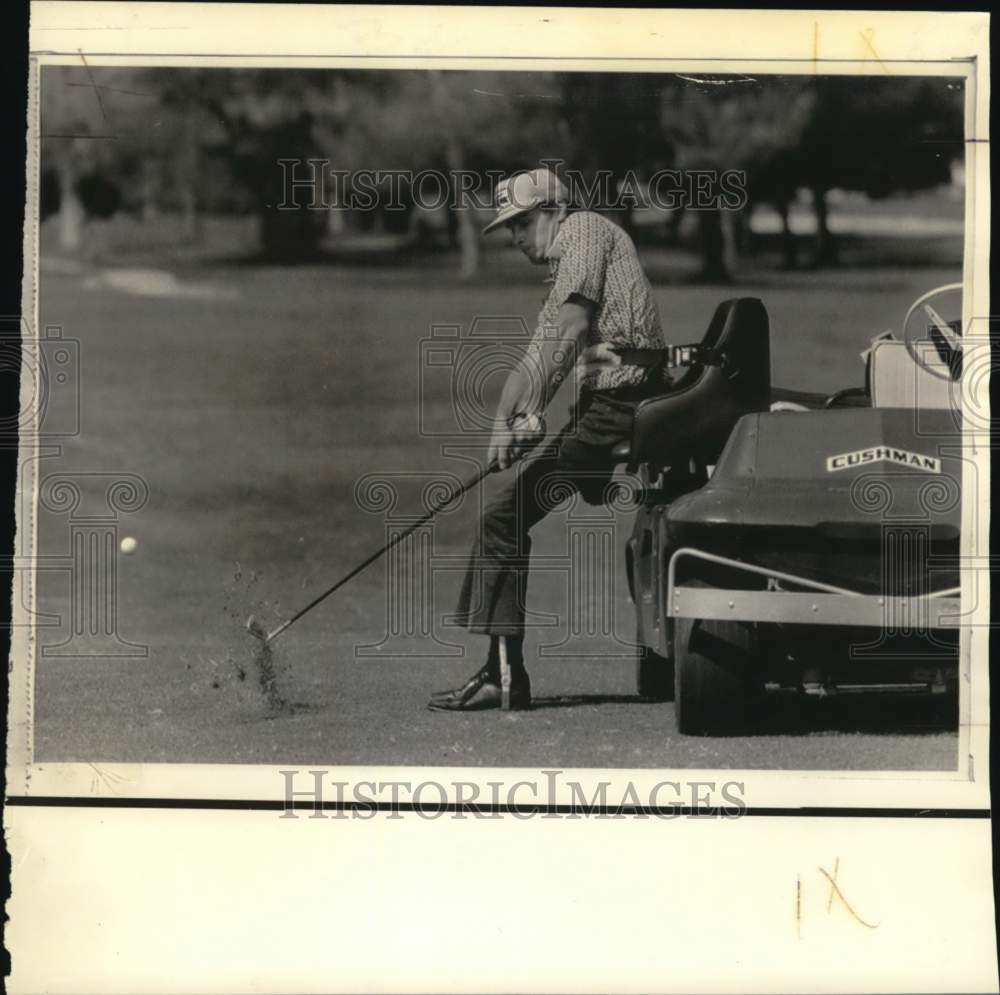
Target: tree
[(612, 121), (141, 130), (735, 123), (895, 134), (877, 135), (191, 122), (86, 120), (155, 131), (460, 122)]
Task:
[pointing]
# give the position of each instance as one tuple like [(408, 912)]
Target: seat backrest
[(695, 416)]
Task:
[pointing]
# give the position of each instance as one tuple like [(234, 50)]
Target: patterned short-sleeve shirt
[(593, 259)]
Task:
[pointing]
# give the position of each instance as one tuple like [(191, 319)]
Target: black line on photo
[(273, 805)]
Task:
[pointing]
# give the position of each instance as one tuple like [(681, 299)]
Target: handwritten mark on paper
[(835, 892), (866, 39)]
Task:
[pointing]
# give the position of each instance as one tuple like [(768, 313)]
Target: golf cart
[(796, 543)]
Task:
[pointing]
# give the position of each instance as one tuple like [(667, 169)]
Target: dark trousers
[(578, 460)]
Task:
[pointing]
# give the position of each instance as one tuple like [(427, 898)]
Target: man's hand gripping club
[(532, 385), (522, 434)]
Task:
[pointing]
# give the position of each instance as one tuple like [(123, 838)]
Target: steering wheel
[(932, 331)]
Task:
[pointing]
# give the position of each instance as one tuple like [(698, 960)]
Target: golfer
[(599, 301)]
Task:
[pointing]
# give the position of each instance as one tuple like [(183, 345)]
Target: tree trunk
[(149, 188), (741, 227), (672, 227), (468, 243), (190, 174), (468, 237), (713, 255), (788, 256), (71, 214), (335, 224), (730, 238), (190, 214), (826, 243), (626, 219)]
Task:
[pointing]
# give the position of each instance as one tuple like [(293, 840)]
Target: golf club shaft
[(454, 495), (504, 675)]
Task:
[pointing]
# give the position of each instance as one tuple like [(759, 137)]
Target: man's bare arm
[(531, 386), (549, 358)]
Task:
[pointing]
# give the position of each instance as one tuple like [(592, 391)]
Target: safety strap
[(673, 357), (694, 355)]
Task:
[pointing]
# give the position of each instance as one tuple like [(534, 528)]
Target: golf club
[(267, 637)]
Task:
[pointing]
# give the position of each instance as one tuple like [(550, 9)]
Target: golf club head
[(256, 629)]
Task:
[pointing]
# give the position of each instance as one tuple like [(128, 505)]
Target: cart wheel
[(654, 675), (715, 679)]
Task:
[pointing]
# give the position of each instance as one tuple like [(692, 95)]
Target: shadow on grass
[(876, 715), (797, 715), (584, 700)]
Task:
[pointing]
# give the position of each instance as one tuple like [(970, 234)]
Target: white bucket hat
[(523, 192)]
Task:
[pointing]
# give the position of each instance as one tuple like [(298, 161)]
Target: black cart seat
[(729, 376)]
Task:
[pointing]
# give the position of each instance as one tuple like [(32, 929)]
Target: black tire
[(654, 675), (716, 676)]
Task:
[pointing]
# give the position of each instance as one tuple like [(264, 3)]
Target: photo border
[(572, 30)]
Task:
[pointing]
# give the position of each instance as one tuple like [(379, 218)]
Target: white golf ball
[(129, 545)]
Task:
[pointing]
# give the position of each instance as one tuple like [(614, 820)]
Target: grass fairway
[(252, 416)]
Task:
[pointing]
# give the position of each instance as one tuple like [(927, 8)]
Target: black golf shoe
[(489, 673), (482, 691)]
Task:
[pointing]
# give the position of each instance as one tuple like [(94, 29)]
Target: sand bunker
[(155, 283)]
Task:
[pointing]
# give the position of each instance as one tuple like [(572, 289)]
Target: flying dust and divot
[(263, 672), (263, 658)]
